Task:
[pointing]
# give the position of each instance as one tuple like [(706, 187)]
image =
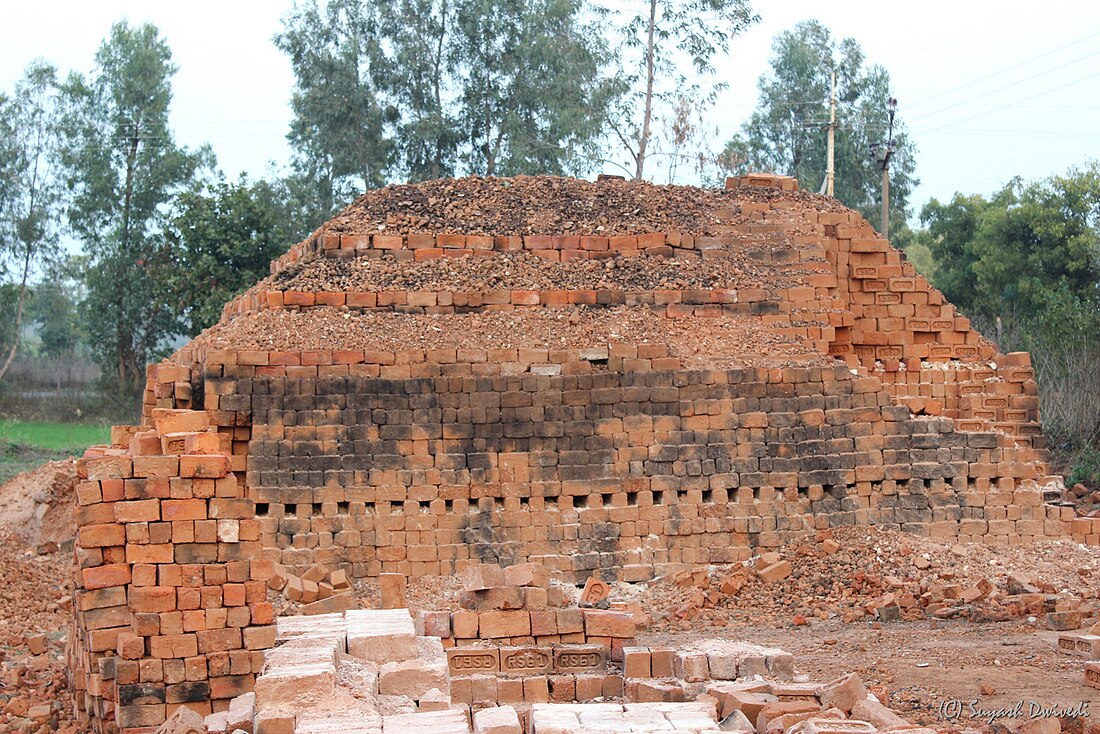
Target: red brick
[(174, 646), (102, 577), (152, 598), (156, 466), (150, 553), (203, 465), (137, 511), (208, 443), (179, 421), (601, 623), (101, 535), (180, 510), (387, 241), (219, 640)]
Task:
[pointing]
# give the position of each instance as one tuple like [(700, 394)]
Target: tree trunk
[(122, 329), (18, 314), (437, 73), (643, 141)]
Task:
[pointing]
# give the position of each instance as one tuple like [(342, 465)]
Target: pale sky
[(989, 90)]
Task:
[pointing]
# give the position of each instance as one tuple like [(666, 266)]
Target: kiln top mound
[(549, 205)]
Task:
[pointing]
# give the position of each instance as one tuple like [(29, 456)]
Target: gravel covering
[(523, 271), (552, 205), (726, 339)]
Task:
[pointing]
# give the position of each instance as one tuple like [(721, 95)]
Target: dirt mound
[(36, 507), (530, 205)]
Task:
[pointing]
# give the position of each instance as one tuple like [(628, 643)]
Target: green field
[(25, 445)]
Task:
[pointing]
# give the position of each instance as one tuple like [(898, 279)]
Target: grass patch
[(27, 445), (18, 458), (57, 437)]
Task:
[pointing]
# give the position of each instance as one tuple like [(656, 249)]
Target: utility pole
[(881, 153), (830, 170)]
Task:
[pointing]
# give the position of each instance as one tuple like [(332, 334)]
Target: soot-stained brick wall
[(620, 473)]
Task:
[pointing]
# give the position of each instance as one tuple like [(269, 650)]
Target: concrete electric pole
[(881, 153), (830, 170)]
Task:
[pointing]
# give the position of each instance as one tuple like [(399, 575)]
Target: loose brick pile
[(170, 587), (369, 672)]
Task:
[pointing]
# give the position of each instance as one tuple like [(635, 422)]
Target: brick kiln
[(611, 378)]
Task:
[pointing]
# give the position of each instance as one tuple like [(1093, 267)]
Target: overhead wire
[(1011, 104), (1005, 70), (1006, 86)]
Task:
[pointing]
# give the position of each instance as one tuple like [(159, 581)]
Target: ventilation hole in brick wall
[(632, 499), (579, 501), (803, 492), (680, 495), (598, 362), (708, 495), (425, 507), (343, 508), (659, 497), (756, 494), (261, 509), (524, 501), (607, 500), (317, 508), (369, 508), (449, 505)]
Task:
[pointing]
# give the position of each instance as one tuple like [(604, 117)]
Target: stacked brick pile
[(616, 454), (1083, 644), (420, 477), (368, 672), (697, 718), (170, 588), (518, 639), (371, 666)]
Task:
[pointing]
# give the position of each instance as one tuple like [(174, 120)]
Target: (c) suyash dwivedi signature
[(953, 709)]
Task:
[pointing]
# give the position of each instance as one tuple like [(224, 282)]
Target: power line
[(1006, 86), (1006, 69), (1010, 104)]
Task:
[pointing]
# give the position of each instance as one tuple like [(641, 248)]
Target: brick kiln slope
[(608, 376)]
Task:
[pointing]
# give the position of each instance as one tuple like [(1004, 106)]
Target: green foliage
[(31, 193), (9, 301), (421, 89), (53, 310), (788, 132), (337, 129), (1085, 469), (1021, 264), (416, 75), (1026, 248), (531, 99), (916, 244), (223, 237), (26, 446), (124, 167), (653, 41)]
